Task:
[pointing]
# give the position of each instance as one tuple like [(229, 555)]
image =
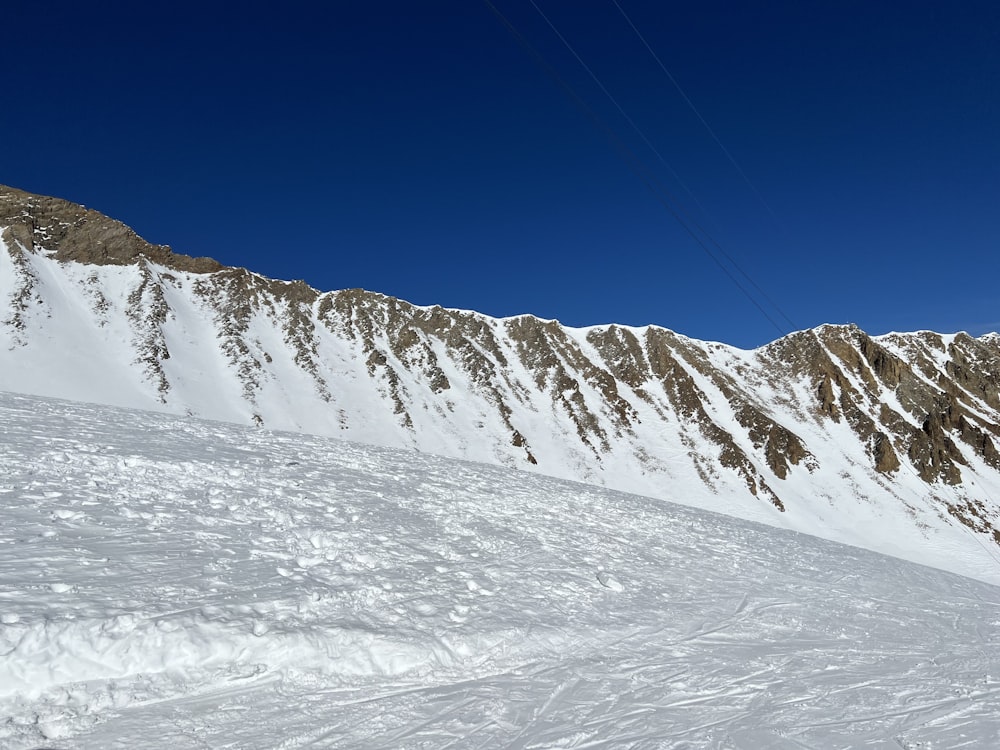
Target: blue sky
[(420, 150)]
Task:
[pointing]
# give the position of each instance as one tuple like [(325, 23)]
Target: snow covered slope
[(887, 443), (172, 583)]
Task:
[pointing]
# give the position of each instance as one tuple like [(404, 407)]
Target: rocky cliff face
[(823, 429)]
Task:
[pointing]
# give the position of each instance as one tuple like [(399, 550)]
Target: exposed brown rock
[(518, 441), (827, 403), (934, 453), (883, 454), (147, 313), (621, 350), (781, 447), (974, 366), (555, 362), (844, 360), (974, 514), (75, 233), (26, 294)]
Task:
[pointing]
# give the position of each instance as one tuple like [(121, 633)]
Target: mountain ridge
[(828, 428)]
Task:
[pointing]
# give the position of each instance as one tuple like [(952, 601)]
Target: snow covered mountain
[(885, 442), (169, 583)]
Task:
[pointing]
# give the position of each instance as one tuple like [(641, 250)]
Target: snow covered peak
[(887, 443)]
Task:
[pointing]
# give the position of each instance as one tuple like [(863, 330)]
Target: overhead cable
[(697, 113), (652, 148), (638, 167)]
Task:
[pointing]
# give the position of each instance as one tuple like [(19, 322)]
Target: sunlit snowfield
[(173, 583)]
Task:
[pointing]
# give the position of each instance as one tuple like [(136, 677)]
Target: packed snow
[(167, 582)]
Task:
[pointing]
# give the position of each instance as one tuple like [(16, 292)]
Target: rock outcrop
[(818, 418)]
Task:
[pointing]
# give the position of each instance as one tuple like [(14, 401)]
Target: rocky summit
[(887, 442)]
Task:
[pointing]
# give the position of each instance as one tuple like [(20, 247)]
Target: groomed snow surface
[(174, 583)]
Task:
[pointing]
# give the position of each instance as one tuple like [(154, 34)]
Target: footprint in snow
[(608, 581)]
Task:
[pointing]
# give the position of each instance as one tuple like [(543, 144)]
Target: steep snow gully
[(173, 583)]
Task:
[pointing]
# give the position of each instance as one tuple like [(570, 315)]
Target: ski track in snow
[(177, 583)]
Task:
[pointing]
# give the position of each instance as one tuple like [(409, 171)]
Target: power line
[(614, 101), (698, 114), (638, 167), (652, 148)]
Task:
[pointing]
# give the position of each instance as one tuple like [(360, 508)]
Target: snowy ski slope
[(171, 583)]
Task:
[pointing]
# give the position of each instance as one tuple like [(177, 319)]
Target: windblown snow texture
[(170, 583)]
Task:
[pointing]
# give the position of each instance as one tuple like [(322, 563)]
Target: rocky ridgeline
[(596, 404)]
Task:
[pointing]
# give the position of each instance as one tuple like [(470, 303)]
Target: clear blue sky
[(418, 149)]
